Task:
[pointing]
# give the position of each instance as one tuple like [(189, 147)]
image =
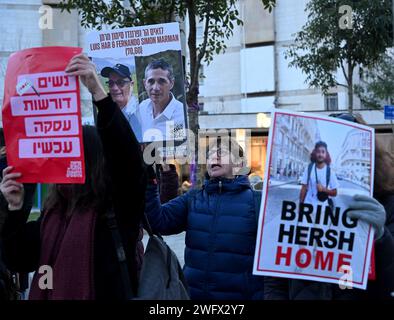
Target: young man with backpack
[(319, 182), (220, 221)]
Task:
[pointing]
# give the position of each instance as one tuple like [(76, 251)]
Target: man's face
[(119, 89), (321, 154), (158, 86), (219, 164)]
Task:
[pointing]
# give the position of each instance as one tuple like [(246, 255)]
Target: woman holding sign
[(70, 246), (220, 221)]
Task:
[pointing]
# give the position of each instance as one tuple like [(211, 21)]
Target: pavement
[(291, 192), (282, 181)]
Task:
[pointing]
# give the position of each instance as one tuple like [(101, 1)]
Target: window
[(258, 154), (331, 102)]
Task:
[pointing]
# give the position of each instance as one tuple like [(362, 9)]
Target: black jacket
[(380, 288), (128, 183), (168, 184)]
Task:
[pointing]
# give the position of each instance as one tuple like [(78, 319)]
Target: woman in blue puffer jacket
[(220, 221)]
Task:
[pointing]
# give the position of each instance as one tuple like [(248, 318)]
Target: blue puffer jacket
[(221, 226)]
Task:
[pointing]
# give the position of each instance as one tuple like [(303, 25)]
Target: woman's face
[(219, 163)]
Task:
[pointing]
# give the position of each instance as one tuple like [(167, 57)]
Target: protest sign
[(316, 164), (42, 117), (142, 69)]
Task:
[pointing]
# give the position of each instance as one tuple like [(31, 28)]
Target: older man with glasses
[(120, 86)]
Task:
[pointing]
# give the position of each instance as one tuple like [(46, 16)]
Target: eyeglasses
[(218, 152), (120, 83), (344, 116)]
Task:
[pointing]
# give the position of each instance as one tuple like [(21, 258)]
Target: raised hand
[(80, 65), (11, 189), (369, 210)]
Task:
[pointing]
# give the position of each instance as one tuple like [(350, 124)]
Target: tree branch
[(341, 84), (344, 71), (203, 49)]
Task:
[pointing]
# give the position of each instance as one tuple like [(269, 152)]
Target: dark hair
[(91, 194), (318, 145), (160, 64)]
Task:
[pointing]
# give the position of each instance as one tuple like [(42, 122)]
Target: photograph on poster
[(312, 174), (142, 69)]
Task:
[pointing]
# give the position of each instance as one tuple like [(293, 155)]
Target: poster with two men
[(142, 69), (315, 166)]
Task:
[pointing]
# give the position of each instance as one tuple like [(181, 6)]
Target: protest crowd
[(87, 241)]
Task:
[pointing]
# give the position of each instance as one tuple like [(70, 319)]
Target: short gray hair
[(160, 64)]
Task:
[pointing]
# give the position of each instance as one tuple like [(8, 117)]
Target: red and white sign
[(304, 235), (42, 117)]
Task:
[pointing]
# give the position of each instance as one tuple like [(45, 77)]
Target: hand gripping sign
[(42, 117)]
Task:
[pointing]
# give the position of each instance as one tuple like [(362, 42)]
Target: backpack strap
[(328, 175), (146, 225), (310, 166), (120, 253)]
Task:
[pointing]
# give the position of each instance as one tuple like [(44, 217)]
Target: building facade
[(253, 76), (293, 141), (354, 160), (238, 89), (39, 23)]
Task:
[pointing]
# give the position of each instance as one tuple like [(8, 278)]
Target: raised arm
[(121, 148), (169, 218), (124, 162), (21, 240), (168, 183)]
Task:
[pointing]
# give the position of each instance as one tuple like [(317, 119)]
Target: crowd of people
[(73, 233)]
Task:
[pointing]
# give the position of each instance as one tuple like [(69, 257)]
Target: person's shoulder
[(146, 101), (177, 102), (333, 172), (307, 168), (178, 113), (192, 193), (143, 106), (131, 106)]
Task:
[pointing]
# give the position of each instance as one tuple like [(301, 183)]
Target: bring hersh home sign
[(316, 166)]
